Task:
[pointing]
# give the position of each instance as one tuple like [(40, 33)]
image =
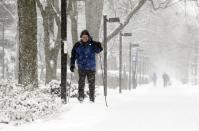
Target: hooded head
[(85, 36)]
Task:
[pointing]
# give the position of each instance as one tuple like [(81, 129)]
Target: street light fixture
[(135, 45), (120, 66), (127, 34), (111, 20)]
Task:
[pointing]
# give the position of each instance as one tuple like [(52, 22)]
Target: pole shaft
[(135, 71), (140, 67), (63, 55), (196, 64), (120, 64), (105, 55), (130, 66), (136, 65)]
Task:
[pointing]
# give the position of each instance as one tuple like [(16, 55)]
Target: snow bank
[(19, 104)]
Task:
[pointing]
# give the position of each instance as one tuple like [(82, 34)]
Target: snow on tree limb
[(162, 5), (11, 14), (130, 15), (165, 4), (58, 22), (40, 7)]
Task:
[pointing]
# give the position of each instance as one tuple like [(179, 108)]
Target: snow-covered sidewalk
[(144, 109)]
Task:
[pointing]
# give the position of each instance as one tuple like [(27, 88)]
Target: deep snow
[(147, 108)]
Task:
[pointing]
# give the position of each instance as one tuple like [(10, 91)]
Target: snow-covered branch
[(130, 15), (11, 14), (39, 4), (165, 4)]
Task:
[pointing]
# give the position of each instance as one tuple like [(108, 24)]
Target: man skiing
[(83, 53)]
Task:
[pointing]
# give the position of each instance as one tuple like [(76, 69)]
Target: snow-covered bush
[(56, 90), (19, 104)]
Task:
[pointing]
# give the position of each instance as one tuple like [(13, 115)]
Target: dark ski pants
[(91, 81), (165, 84)]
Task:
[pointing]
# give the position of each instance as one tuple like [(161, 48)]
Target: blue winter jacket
[(84, 54)]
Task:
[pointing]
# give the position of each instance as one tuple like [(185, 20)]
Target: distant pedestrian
[(166, 79), (154, 79)]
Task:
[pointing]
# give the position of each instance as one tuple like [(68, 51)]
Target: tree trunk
[(51, 22), (51, 64), (51, 68), (73, 12), (27, 23), (51, 53), (94, 9), (46, 44)]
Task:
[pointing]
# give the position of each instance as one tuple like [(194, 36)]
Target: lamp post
[(143, 70), (139, 63), (63, 51), (196, 65), (105, 20), (130, 65), (135, 59), (120, 59), (131, 46)]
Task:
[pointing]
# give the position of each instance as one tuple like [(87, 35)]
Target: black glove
[(72, 68), (98, 45)]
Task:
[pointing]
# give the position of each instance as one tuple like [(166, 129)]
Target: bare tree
[(94, 9), (73, 13), (49, 14), (127, 19), (136, 8)]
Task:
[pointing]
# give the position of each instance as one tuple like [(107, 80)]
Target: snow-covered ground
[(147, 108)]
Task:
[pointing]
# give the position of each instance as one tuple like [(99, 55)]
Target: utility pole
[(143, 70), (63, 51), (105, 55), (139, 68), (135, 71), (196, 65), (120, 54), (120, 66), (140, 65), (130, 65), (139, 62), (105, 20), (134, 60)]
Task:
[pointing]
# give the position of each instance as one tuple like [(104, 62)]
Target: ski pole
[(103, 80)]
